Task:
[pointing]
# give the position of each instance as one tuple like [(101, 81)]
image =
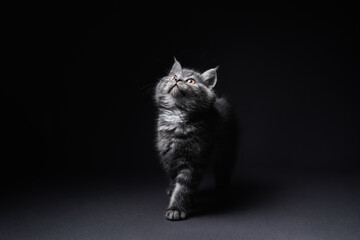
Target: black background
[(78, 118), (78, 97)]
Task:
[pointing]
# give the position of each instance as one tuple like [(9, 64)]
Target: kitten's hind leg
[(225, 160), (223, 173), (170, 188)]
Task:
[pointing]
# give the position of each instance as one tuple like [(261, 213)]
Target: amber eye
[(174, 78), (190, 81)]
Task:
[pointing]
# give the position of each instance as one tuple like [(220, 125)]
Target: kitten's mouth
[(175, 85)]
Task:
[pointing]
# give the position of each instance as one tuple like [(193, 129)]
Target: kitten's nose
[(177, 80)]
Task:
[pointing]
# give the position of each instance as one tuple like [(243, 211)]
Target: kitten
[(194, 127)]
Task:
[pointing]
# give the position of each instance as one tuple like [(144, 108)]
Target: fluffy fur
[(194, 127)]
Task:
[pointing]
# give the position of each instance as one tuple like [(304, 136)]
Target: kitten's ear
[(176, 68), (210, 77)]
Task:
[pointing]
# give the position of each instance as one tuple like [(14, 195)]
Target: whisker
[(148, 88)]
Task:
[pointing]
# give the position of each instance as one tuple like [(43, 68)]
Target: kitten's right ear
[(176, 68), (210, 77)]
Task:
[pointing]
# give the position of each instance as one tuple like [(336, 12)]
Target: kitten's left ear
[(210, 77), (176, 68)]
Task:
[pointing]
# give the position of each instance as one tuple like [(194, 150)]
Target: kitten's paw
[(175, 214)]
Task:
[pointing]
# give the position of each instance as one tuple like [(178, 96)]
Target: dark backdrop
[(78, 96)]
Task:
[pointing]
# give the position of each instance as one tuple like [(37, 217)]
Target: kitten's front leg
[(185, 184)]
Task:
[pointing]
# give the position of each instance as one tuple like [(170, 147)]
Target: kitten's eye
[(174, 78), (190, 81)]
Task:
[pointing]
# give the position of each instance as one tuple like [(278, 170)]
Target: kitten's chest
[(173, 131), (176, 125), (175, 139), (178, 136)]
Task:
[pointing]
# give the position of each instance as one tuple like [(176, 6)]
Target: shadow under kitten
[(240, 196)]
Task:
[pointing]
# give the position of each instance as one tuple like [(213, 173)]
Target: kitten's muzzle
[(176, 79), (175, 85)]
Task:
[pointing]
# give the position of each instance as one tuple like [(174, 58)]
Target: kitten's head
[(186, 88)]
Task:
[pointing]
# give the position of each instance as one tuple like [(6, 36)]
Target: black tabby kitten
[(194, 127)]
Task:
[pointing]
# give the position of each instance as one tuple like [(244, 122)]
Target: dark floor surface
[(277, 206)]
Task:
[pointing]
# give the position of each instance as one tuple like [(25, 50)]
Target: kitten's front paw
[(175, 214)]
